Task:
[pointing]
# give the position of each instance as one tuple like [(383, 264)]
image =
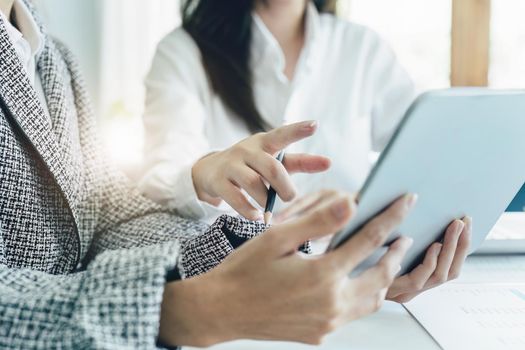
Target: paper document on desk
[(493, 269), (473, 316)]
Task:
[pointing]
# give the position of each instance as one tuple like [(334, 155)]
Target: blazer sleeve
[(114, 303)]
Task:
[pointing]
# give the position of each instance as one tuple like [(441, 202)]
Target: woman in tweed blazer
[(86, 262)]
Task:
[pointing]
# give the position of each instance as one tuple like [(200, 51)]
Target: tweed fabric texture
[(198, 256), (83, 256)]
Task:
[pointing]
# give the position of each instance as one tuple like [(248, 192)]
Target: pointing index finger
[(280, 138)]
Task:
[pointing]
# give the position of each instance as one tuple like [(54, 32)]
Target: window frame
[(470, 38), (470, 41)]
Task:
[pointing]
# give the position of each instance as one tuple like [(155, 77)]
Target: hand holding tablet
[(454, 149)]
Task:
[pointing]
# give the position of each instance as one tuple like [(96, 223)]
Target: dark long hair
[(223, 33)]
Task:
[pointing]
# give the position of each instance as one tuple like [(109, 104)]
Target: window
[(115, 41), (418, 31), (132, 29), (439, 42), (507, 44)]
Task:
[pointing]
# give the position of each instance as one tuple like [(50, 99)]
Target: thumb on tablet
[(329, 217), (373, 235)]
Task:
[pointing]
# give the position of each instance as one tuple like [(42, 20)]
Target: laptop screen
[(518, 204), (508, 235)]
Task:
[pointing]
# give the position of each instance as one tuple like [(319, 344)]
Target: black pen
[(270, 201)]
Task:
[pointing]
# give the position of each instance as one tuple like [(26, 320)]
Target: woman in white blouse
[(205, 93), (239, 68)]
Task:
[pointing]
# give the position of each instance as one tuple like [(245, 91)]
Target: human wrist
[(191, 316), (198, 171)]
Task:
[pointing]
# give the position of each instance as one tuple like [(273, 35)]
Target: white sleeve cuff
[(187, 203)]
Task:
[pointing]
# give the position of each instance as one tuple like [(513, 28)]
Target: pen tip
[(267, 217)]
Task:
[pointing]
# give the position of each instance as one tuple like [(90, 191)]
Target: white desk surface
[(392, 327)]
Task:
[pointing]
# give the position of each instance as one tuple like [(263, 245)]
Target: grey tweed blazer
[(83, 257)]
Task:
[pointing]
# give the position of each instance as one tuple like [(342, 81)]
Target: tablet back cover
[(459, 150)]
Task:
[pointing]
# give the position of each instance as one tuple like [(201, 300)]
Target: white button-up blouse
[(347, 79), (28, 42)]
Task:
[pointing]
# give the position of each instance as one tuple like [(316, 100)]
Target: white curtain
[(131, 29), (115, 42)]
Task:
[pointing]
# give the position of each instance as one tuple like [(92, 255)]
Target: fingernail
[(311, 124), (460, 225), (340, 208), (410, 241), (467, 220), (411, 200)]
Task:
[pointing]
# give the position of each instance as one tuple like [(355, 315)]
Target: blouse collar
[(27, 30), (265, 49)]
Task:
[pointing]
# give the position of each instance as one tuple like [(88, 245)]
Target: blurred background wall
[(115, 41), (78, 24), (468, 42)]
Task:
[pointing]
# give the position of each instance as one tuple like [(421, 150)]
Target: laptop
[(508, 235)]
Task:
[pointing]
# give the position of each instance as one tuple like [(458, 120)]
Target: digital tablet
[(463, 152)]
